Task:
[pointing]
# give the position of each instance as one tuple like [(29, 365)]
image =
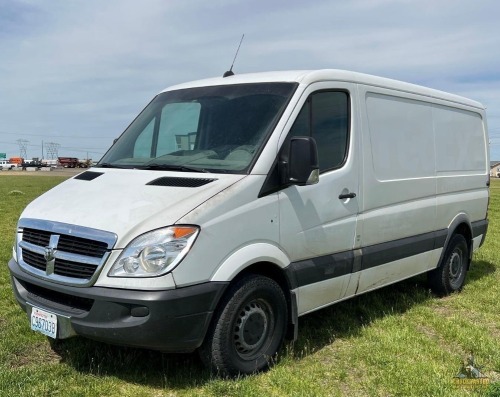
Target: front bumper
[(173, 320)]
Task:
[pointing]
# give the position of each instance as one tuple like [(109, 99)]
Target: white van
[(232, 206)]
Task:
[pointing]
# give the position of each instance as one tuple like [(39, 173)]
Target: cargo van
[(231, 206)]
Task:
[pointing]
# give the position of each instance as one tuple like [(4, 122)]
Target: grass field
[(397, 341)]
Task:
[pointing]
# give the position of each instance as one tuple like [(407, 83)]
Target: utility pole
[(23, 144), (52, 150)]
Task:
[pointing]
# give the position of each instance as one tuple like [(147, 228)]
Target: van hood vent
[(180, 182), (88, 176)]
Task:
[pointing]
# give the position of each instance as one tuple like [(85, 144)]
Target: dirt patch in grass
[(443, 308), (475, 318), (34, 355), (454, 350)]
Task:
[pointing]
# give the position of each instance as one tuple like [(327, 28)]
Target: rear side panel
[(425, 162), (399, 166), (462, 164)]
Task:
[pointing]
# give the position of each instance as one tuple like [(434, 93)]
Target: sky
[(76, 73)]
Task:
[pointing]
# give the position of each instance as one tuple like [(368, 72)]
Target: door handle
[(347, 196)]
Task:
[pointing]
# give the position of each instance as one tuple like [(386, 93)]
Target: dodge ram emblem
[(48, 254)]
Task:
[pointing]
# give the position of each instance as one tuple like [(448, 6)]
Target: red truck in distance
[(68, 162)]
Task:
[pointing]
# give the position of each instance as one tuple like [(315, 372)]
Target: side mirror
[(302, 167)]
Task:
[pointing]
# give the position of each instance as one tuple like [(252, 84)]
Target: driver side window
[(325, 117)]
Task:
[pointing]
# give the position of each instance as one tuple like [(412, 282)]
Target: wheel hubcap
[(251, 328), (455, 266)]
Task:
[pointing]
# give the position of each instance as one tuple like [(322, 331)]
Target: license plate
[(44, 322)]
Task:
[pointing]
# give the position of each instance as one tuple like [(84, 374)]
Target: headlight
[(155, 253)]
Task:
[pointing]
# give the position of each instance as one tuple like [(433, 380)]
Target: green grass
[(397, 341)]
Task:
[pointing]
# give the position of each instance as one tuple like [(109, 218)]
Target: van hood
[(127, 202)]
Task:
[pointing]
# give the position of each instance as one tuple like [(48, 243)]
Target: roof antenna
[(230, 71)]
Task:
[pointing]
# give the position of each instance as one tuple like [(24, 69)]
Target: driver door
[(318, 222)]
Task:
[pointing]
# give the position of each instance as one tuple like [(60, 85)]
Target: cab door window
[(325, 117)]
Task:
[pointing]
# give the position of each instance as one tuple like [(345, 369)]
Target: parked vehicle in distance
[(52, 163), (7, 165), (16, 160), (68, 162), (84, 163), (232, 206), (33, 163)]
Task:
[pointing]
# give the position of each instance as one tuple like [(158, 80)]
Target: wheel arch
[(270, 262), (461, 224)]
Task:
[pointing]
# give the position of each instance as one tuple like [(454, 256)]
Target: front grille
[(82, 246), (34, 259), (70, 244), (73, 269), (64, 253), (37, 237), (61, 267)]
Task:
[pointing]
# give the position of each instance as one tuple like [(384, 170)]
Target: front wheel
[(449, 276), (248, 328)]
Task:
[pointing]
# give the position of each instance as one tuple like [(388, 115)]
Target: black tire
[(248, 328), (449, 276)]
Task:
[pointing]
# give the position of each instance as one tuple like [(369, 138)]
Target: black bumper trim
[(173, 320), (325, 267), (480, 228)]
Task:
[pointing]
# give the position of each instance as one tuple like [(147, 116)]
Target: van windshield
[(206, 129)]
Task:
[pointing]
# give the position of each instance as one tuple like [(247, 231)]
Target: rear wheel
[(449, 276), (248, 329)]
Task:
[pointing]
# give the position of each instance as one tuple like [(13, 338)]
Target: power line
[(53, 136), (62, 147)]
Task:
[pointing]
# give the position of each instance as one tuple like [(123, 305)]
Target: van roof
[(307, 77)]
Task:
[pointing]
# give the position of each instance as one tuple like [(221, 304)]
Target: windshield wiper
[(171, 167)]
